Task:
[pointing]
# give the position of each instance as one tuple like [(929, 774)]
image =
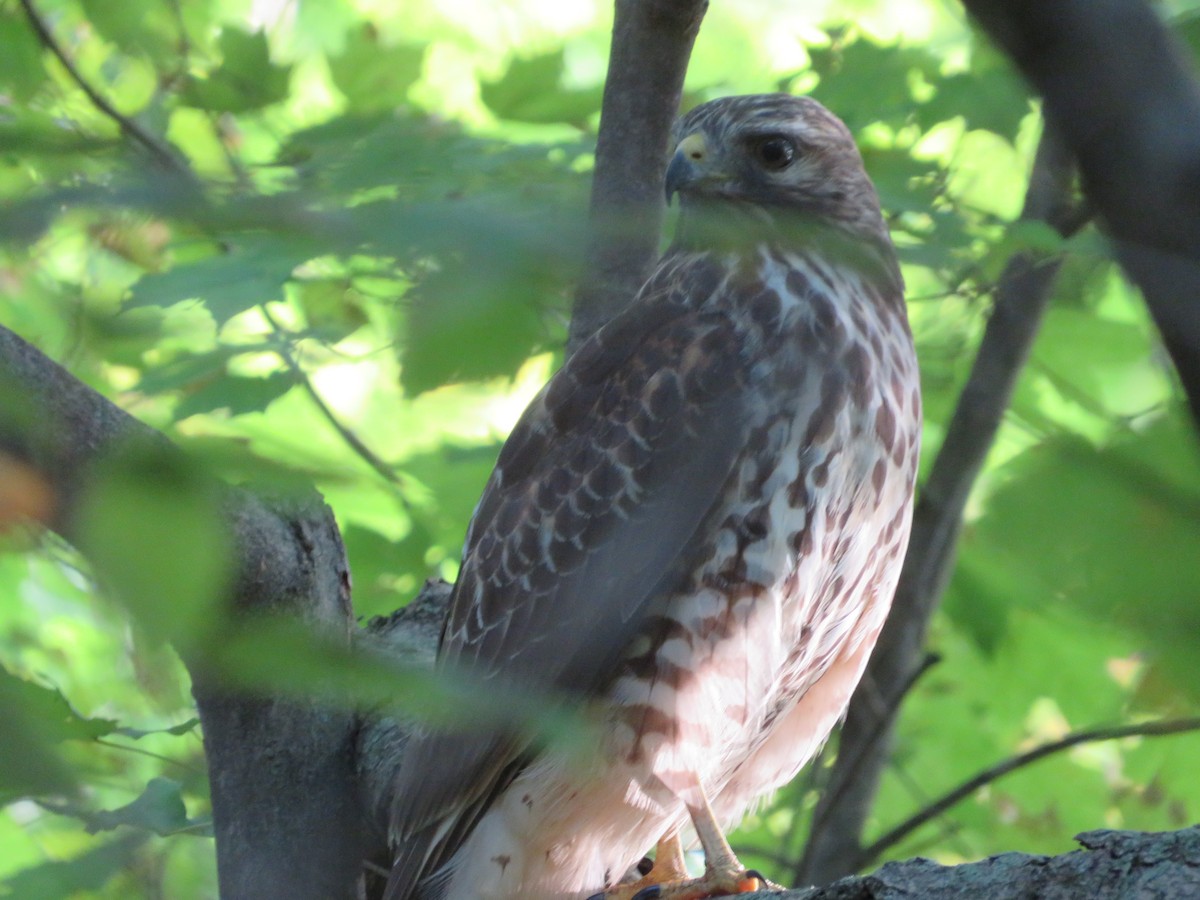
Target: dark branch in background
[(652, 41), (866, 737), (284, 796), (987, 776), (1125, 99), (161, 153)]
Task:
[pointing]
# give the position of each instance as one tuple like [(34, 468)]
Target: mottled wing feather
[(602, 484)]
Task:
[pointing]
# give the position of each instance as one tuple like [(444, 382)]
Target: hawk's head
[(775, 159)]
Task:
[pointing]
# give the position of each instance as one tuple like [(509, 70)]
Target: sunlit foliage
[(335, 241)]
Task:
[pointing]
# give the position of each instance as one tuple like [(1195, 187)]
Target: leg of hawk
[(696, 528)]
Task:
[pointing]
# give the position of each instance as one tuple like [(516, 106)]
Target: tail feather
[(409, 866)]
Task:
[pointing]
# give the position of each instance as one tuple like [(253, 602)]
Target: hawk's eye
[(775, 152)]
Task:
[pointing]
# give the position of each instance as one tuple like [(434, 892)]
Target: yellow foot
[(669, 880), (723, 875), (668, 868)]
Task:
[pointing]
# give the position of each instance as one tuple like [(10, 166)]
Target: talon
[(651, 893), (752, 880)]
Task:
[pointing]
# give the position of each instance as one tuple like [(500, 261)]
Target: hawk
[(696, 528)]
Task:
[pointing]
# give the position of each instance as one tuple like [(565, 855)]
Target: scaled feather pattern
[(696, 528)]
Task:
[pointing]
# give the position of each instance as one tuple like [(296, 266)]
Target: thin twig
[(283, 350), (993, 773), (128, 127), (141, 751)]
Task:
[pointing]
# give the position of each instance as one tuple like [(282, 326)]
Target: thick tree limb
[(865, 740), (283, 783), (652, 41), (1127, 104), (1114, 865)]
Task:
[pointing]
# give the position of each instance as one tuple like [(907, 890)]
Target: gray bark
[(284, 794), (1114, 865), (652, 42)]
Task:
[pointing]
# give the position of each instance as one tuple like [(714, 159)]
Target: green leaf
[(1109, 531), (332, 307), (151, 523), (990, 96), (89, 871), (237, 394), (377, 564), (187, 370), (32, 719), (160, 809), (252, 271), (21, 70), (52, 713), (459, 333), (246, 79), (373, 76), (866, 82), (1187, 27), (530, 91), (138, 29)]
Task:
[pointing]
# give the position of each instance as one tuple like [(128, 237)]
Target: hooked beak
[(687, 166)]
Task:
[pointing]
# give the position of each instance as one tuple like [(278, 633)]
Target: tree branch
[(951, 798), (282, 348), (1114, 865), (158, 150), (652, 41), (284, 793), (1126, 101), (866, 737)]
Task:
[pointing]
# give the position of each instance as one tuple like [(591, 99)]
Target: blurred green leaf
[(151, 523), (864, 81), (245, 80), (530, 91), (55, 719), (159, 809), (89, 871), (21, 70), (373, 76), (1126, 524), (252, 271), (32, 719), (236, 393), (990, 95), (136, 28)]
